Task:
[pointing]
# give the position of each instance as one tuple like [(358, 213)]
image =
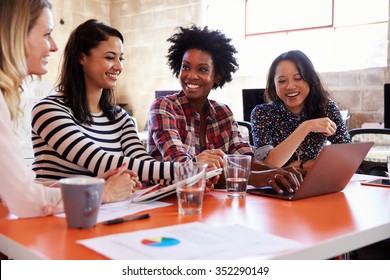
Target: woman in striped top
[(80, 131)]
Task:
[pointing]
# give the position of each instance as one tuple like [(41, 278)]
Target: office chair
[(251, 98), (375, 162), (159, 93), (387, 105), (246, 131)]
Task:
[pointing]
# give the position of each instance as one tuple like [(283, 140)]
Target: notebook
[(331, 172)]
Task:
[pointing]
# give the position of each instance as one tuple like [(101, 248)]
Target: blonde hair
[(17, 17)]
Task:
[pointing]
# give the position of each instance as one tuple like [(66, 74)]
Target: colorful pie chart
[(160, 241)]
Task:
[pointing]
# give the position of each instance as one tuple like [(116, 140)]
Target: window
[(264, 16), (337, 35)]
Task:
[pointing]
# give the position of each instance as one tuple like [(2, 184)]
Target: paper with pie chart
[(188, 241)]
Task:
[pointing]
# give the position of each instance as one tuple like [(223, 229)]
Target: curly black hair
[(211, 41)]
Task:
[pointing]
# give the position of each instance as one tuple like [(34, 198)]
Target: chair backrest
[(379, 135), (251, 98), (375, 163), (387, 105), (246, 131), (159, 93)]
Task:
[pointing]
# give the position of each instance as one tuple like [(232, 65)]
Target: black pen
[(126, 219)]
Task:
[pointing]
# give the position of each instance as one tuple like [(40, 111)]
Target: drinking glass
[(237, 169), (191, 182)]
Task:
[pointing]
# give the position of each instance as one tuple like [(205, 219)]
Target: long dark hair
[(318, 98), (85, 37)]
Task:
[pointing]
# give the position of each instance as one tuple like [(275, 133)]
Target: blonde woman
[(25, 47)]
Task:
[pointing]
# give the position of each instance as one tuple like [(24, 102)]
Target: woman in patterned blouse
[(299, 118)]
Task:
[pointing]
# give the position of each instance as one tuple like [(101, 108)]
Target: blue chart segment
[(160, 241)]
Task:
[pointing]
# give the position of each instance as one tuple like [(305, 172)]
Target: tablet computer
[(378, 183)]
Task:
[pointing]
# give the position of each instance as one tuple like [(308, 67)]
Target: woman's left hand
[(119, 184), (280, 180), (118, 188), (121, 170), (322, 125)]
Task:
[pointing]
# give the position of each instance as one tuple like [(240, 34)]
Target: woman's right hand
[(211, 157)]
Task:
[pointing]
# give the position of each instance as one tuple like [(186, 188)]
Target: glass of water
[(190, 178), (237, 169)]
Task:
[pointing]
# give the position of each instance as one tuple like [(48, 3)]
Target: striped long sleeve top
[(63, 147)]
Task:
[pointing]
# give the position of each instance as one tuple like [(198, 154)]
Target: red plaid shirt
[(174, 129)]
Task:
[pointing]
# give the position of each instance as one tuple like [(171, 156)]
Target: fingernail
[(123, 164)]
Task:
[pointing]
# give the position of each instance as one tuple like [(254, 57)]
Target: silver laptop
[(331, 172)]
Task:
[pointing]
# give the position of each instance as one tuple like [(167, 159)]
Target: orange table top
[(326, 225)]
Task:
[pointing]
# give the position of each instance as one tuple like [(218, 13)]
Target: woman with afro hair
[(187, 126)]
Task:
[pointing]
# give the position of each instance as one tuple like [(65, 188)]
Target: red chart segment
[(160, 241)]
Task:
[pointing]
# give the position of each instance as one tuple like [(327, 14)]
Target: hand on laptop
[(308, 164), (281, 180), (302, 165), (299, 172)]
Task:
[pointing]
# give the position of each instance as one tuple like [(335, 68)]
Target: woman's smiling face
[(40, 44), (104, 63), (197, 75), (290, 87)]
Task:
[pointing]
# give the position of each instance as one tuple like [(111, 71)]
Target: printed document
[(190, 241)]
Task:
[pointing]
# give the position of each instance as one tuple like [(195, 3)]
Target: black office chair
[(387, 105), (251, 98), (159, 93), (375, 161), (246, 131)]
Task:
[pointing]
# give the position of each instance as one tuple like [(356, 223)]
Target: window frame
[(309, 27)]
